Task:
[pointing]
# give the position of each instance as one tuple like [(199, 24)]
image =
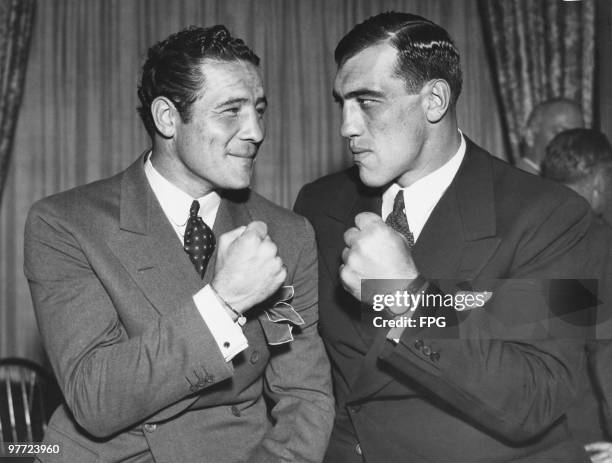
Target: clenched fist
[(248, 268), (374, 250)]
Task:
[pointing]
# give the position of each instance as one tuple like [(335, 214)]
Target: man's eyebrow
[(357, 93), (241, 101), (232, 101)]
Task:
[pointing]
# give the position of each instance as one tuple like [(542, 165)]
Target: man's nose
[(253, 127), (352, 124)]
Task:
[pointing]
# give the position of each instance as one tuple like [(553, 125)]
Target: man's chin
[(240, 182), (370, 179)]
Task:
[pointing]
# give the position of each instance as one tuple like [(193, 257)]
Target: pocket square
[(281, 317)]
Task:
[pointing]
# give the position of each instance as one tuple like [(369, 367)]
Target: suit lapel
[(148, 246), (460, 235), (455, 243)]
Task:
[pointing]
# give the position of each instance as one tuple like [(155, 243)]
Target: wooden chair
[(28, 397)]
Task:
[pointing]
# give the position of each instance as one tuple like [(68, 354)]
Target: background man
[(581, 159), (409, 394), (157, 291), (545, 121)]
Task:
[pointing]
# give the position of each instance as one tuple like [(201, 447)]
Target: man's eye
[(365, 102), (261, 110), (233, 111)]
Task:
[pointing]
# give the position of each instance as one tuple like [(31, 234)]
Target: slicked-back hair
[(173, 68), (574, 154), (425, 50)]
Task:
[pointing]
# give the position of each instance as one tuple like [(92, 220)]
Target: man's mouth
[(359, 153), (245, 155), (358, 149)]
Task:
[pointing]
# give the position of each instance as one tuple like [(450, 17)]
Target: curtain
[(539, 50), (16, 19), (79, 123)]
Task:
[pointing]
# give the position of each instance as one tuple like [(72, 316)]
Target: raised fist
[(248, 268), (374, 250)]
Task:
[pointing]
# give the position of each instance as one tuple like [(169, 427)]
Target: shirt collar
[(176, 203), (422, 196)]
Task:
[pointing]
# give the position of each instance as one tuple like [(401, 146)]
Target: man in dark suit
[(581, 159), (424, 206), (177, 307)]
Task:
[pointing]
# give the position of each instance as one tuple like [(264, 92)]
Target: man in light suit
[(178, 308), (425, 206)]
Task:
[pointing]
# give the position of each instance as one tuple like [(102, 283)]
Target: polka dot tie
[(199, 241), (397, 219)]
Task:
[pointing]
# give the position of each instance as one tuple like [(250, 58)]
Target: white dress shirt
[(176, 204)]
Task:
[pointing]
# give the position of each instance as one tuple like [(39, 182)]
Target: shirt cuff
[(227, 333), (395, 334)]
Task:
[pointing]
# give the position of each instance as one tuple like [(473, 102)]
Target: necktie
[(397, 219), (199, 241)]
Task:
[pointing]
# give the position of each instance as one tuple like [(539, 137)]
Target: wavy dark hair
[(575, 154), (173, 68), (425, 50)]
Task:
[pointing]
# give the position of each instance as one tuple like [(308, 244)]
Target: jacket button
[(254, 357), (354, 408), (235, 411), (426, 350), (435, 356), (418, 344), (358, 449), (149, 427)]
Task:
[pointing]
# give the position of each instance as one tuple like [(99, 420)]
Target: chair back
[(28, 397)]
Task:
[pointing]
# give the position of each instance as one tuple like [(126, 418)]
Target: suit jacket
[(600, 349), (481, 398), (141, 373)]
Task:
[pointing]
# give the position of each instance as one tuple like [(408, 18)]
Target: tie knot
[(194, 209)]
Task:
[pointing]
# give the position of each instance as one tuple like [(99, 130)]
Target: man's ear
[(164, 115), (437, 99)]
